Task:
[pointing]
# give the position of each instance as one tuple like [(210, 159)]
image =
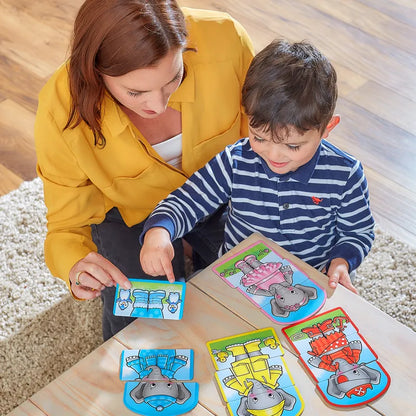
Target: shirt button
[(285, 206)]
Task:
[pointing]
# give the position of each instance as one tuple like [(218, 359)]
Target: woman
[(150, 93)]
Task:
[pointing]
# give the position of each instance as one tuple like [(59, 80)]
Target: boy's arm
[(200, 196), (355, 223)]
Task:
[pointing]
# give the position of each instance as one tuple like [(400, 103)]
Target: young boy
[(284, 181)]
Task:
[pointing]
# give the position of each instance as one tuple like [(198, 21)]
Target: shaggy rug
[(43, 331)]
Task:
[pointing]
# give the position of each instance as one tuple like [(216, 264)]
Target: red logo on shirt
[(316, 200)]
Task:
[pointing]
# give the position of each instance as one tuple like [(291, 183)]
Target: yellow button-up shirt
[(82, 181)]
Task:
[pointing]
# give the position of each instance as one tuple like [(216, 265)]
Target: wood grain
[(372, 44)]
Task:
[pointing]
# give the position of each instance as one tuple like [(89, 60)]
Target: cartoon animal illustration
[(257, 381), (262, 400), (173, 301), (274, 280), (220, 355), (156, 386), (124, 301), (332, 351)]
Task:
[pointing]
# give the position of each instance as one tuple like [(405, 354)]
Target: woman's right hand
[(92, 274)]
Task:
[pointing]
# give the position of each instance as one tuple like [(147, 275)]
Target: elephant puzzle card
[(157, 381), (252, 375), (275, 285), (342, 363), (150, 299)]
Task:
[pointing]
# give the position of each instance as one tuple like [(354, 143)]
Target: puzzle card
[(273, 284), (252, 375), (150, 299), (338, 358), (158, 381)]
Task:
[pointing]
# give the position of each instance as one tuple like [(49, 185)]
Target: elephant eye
[(153, 385), (255, 399), (271, 395), (169, 385)]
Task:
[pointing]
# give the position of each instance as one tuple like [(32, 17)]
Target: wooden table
[(214, 310)]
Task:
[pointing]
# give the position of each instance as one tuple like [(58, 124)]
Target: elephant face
[(262, 400), (352, 379), (289, 298)]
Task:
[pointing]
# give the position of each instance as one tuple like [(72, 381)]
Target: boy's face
[(293, 152)]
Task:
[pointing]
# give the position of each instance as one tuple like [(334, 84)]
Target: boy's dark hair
[(289, 85)]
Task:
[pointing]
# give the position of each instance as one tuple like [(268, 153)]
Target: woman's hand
[(157, 253), (92, 274), (338, 273)]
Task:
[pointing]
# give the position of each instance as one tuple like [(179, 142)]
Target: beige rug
[(43, 331)]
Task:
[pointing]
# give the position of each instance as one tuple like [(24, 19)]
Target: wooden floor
[(372, 44)]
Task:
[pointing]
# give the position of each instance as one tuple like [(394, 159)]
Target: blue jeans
[(120, 244)]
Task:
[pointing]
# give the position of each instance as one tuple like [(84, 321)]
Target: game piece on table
[(157, 381), (253, 376), (150, 299), (275, 285), (338, 358)]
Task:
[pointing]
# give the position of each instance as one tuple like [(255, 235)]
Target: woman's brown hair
[(114, 37)]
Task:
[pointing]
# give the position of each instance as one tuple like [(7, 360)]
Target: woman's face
[(146, 91)]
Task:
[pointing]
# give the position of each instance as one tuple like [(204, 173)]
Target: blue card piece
[(150, 299), (156, 381), (275, 285), (161, 398), (137, 364), (338, 358)]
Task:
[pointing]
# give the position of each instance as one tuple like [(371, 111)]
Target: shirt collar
[(186, 91), (303, 174)]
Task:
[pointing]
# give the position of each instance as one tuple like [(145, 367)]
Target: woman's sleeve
[(72, 201)]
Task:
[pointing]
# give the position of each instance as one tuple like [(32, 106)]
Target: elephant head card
[(157, 381), (275, 285), (339, 359), (150, 299), (253, 376)]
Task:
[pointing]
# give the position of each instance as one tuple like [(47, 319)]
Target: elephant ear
[(277, 310), (137, 393), (374, 375), (310, 291), (183, 393), (288, 398), (242, 408), (333, 389)]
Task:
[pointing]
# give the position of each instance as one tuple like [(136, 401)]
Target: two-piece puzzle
[(275, 285), (253, 376), (156, 381), (338, 358), (150, 299)]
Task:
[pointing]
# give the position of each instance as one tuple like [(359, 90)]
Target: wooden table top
[(214, 310)]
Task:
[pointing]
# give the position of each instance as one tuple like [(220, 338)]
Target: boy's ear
[(331, 125)]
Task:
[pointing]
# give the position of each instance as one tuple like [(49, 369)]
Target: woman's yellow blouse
[(82, 182)]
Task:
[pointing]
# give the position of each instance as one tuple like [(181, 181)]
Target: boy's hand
[(157, 253), (338, 273)]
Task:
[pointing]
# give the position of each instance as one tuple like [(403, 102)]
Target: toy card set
[(158, 381), (251, 371), (250, 368), (281, 291)]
